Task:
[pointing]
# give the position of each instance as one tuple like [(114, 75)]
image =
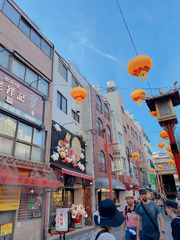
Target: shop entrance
[(7, 217), (88, 206)]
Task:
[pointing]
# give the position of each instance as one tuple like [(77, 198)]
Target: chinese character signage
[(67, 149), (9, 198), (62, 219), (115, 166), (152, 178), (28, 181), (125, 179), (6, 229), (19, 100)]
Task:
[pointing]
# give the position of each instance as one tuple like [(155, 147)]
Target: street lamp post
[(106, 147)]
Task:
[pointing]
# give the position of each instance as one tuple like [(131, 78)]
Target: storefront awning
[(127, 185), (104, 183), (76, 174), (28, 181)]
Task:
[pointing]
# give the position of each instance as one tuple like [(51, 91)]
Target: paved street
[(116, 232)]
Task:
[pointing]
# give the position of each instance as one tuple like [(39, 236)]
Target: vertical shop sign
[(152, 178), (62, 219)]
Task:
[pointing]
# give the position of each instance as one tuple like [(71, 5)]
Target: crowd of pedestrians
[(139, 218)]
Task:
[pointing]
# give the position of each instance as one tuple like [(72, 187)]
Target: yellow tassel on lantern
[(143, 76)]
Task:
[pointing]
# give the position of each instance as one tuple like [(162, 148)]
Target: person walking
[(130, 219), (105, 218), (147, 213), (173, 210)]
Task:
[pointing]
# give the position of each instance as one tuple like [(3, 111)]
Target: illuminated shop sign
[(67, 149), (19, 100)]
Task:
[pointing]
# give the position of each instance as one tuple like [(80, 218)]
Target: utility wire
[(130, 36), (127, 27)]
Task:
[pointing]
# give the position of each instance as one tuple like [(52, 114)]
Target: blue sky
[(92, 34)]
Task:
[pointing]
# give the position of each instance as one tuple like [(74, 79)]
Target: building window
[(75, 83), (106, 111), (127, 126), (120, 138), (102, 161), (11, 13), (136, 136), (139, 139), (4, 57), (30, 77), (46, 48), (64, 73), (125, 130), (122, 109), (98, 103), (132, 132), (28, 142), (75, 116), (111, 160), (99, 127), (109, 133), (25, 27), (130, 146), (61, 102), (18, 69)]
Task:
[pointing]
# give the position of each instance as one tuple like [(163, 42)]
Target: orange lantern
[(139, 66), (163, 134), (161, 145), (153, 113), (170, 161), (79, 94), (160, 166), (135, 155), (152, 170), (168, 148), (137, 95), (171, 155)]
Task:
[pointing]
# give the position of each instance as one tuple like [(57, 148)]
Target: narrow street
[(116, 232)]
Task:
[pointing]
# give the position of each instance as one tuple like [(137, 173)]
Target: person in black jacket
[(173, 210)]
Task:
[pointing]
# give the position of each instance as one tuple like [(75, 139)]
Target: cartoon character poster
[(67, 149)]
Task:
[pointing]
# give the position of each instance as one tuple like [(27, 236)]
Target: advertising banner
[(152, 179), (6, 229), (62, 219)]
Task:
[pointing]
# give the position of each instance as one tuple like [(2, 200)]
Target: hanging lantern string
[(130, 36), (127, 27)]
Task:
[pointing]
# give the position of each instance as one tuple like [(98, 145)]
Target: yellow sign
[(6, 229), (9, 198)]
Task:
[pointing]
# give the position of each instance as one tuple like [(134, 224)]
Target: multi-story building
[(101, 119), (26, 70), (167, 177), (71, 146), (148, 177)]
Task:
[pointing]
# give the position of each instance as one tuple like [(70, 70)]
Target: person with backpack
[(130, 219), (106, 218), (147, 213), (173, 210)]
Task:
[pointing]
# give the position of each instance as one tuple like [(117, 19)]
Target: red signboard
[(19, 100), (126, 179), (27, 181)]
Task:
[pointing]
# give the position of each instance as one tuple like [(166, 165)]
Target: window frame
[(120, 138), (15, 140), (74, 115), (98, 104), (124, 129), (132, 131), (99, 125), (109, 134), (61, 98), (106, 111), (102, 165)]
